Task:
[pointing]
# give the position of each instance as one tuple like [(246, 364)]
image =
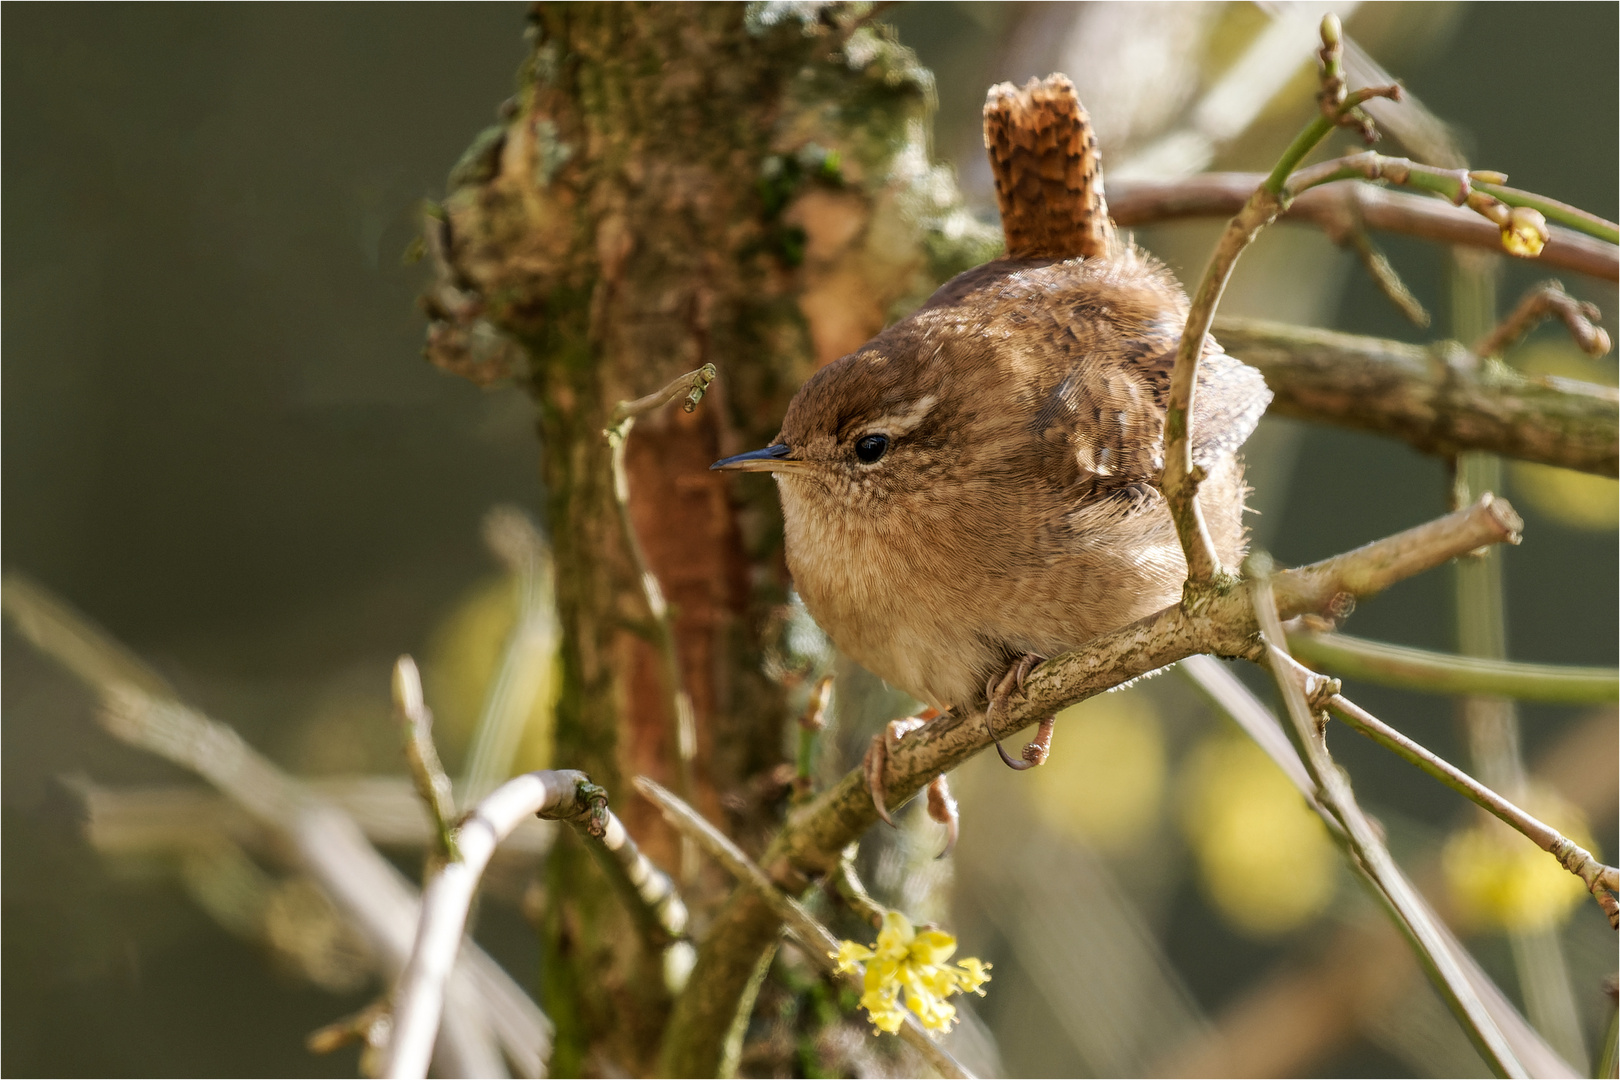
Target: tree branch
[(139, 709), (1441, 400)]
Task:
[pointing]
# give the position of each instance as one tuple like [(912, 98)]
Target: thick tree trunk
[(674, 185)]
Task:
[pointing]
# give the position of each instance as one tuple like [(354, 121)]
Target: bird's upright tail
[(1048, 173)]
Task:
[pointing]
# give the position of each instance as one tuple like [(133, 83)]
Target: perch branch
[(1548, 299), (1441, 399), (1338, 207), (1602, 881), (819, 943), (419, 998), (1334, 793), (815, 835)]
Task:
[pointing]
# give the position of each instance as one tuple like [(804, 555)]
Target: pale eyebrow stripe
[(902, 422)]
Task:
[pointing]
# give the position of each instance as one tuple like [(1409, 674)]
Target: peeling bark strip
[(675, 185), (1049, 181)]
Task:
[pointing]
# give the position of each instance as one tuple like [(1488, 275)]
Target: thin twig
[(1333, 790), (432, 784), (1440, 673), (1441, 399), (1563, 213), (694, 384), (1181, 477), (418, 1000), (1544, 300), (1383, 274), (819, 943), (1602, 881)]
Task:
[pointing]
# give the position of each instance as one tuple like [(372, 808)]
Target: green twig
[(1569, 216), (1441, 673), (1181, 477)]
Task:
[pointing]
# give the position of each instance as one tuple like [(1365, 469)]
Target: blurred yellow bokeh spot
[(1263, 857), (1499, 880), (1105, 779), (464, 658), (1574, 499)]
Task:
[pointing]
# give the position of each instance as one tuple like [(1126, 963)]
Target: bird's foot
[(997, 693), (877, 756)]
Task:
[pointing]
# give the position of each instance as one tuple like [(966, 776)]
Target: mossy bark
[(674, 185)]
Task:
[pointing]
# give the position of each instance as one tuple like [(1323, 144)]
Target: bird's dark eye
[(871, 447)]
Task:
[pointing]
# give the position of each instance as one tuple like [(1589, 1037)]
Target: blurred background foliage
[(220, 440)]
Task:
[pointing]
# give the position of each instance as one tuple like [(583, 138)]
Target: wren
[(977, 487)]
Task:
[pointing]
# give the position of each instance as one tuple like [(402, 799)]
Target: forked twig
[(563, 795), (1333, 791)]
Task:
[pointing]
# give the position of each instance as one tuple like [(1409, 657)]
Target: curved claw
[(996, 695), (877, 756)]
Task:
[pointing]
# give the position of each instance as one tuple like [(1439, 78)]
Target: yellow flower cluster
[(914, 961)]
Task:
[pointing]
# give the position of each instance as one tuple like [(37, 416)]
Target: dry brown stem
[(1543, 301)]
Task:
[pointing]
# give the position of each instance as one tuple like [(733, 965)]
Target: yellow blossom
[(1525, 232), (905, 960)]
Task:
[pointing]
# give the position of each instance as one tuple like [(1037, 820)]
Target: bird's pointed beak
[(773, 458)]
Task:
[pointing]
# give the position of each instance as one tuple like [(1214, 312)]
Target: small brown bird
[(977, 487)]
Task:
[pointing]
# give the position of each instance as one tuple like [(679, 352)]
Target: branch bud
[(1525, 232)]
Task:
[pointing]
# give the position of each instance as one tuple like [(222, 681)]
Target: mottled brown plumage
[(1014, 507)]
